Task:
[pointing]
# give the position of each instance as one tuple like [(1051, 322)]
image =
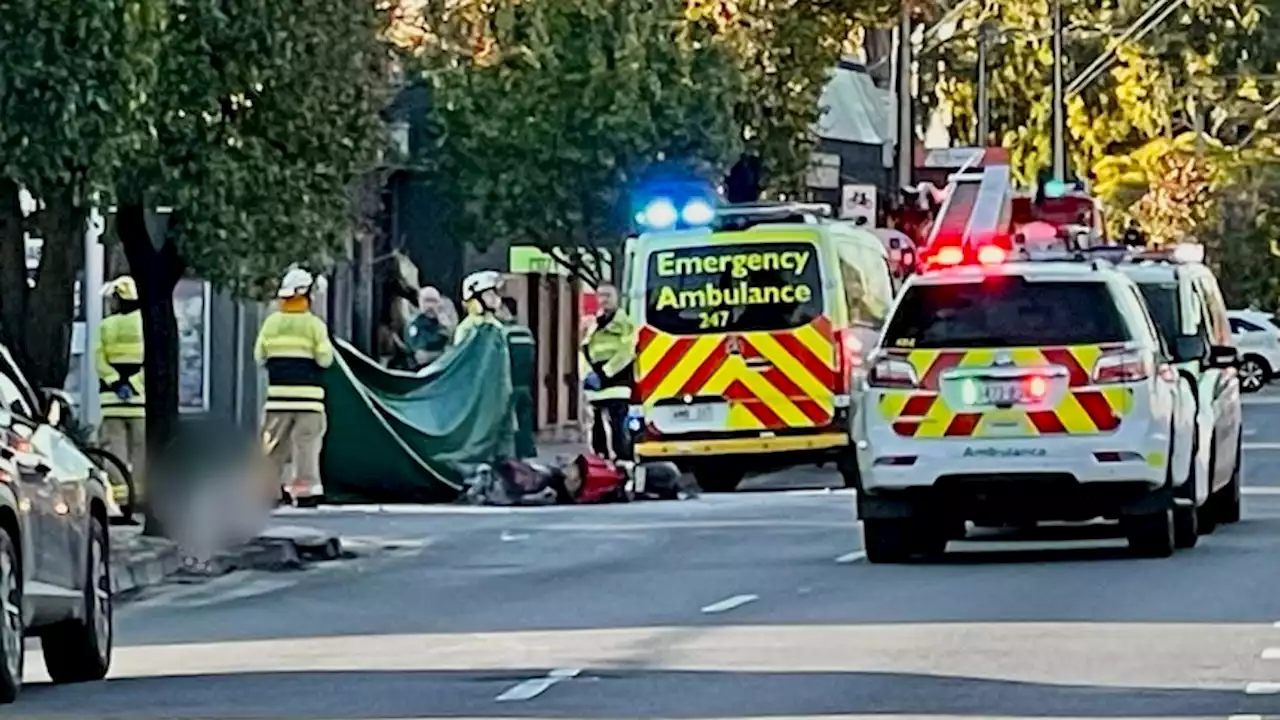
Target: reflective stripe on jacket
[(118, 357), (610, 352), (294, 346), (470, 323)]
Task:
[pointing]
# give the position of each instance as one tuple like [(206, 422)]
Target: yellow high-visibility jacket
[(295, 348), (118, 356), (610, 352), (470, 323)]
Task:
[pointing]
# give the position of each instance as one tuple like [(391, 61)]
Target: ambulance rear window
[(733, 288), (1006, 312)]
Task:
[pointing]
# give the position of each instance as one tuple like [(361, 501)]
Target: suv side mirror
[(1188, 347), (59, 408), (1223, 356)]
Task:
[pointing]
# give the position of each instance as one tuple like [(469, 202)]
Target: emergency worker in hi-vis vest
[(118, 356), (293, 344), (609, 354)]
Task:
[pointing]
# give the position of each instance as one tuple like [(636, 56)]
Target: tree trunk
[(13, 272), (156, 267), (51, 305)]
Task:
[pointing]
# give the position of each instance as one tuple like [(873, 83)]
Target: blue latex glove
[(124, 392), (591, 381)]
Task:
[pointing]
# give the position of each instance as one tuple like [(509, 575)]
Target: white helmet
[(296, 282), (476, 283)]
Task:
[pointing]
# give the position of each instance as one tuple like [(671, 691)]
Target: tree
[(786, 51), (70, 71), (262, 114), (548, 113)]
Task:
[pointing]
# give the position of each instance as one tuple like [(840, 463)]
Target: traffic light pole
[(906, 128), (1059, 109)]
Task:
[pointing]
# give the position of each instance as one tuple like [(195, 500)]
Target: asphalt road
[(757, 604)]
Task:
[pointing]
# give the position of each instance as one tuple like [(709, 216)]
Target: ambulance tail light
[(1123, 366), (848, 359), (892, 372)]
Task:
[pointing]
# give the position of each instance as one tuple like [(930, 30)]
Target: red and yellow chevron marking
[(924, 413), (781, 379)]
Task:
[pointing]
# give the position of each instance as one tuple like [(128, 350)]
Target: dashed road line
[(851, 557), (534, 687), (1261, 446), (1262, 688), (1244, 717), (1260, 491), (729, 603)]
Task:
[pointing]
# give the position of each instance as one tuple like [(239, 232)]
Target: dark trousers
[(609, 434), (522, 398)]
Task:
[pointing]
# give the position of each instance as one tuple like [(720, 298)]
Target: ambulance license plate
[(1001, 393), (692, 417)]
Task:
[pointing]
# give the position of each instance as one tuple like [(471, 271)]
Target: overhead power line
[(1148, 21)]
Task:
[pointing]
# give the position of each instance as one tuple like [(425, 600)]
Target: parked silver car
[(55, 578)]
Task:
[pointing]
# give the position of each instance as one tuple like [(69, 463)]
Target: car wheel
[(1254, 373), (1227, 501), (847, 464), (895, 541), (80, 650), (1150, 535), (718, 479), (1186, 526), (11, 621)]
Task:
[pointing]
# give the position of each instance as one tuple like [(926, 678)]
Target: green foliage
[(262, 114), (547, 112), (71, 73)]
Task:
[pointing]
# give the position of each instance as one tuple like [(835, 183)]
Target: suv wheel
[(1227, 500), (11, 622), (1254, 373), (895, 541), (80, 650), (1150, 536), (1186, 526)]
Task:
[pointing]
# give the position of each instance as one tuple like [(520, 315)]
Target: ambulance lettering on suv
[(1017, 392)]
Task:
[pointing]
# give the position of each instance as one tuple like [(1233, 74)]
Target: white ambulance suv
[(1018, 392)]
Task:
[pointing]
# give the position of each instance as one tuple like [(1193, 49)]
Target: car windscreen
[(733, 288), (1162, 298), (1006, 312)]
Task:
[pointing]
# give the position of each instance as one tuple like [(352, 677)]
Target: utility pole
[(91, 307), (983, 110), (906, 126), (1059, 111)]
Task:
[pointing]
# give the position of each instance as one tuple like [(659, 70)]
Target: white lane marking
[(729, 603), (1262, 688), (1248, 432), (508, 536), (534, 687), (1244, 717), (851, 557), (1263, 400), (1261, 446), (1271, 654), (1260, 491)]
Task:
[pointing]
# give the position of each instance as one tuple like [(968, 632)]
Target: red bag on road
[(602, 481)]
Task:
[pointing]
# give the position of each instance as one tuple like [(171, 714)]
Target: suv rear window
[(1006, 312), (733, 288)]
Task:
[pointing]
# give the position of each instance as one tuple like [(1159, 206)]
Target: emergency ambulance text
[(713, 296)]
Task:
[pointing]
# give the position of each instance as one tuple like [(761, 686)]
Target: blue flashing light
[(697, 212), (659, 214)]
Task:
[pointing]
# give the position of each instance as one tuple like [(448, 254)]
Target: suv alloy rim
[(10, 615), (1251, 375), (101, 580)]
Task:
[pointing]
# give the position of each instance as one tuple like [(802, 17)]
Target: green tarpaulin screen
[(412, 437)]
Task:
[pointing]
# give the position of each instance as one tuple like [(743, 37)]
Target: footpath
[(139, 562)]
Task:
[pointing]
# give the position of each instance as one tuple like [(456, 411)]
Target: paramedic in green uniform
[(524, 367)]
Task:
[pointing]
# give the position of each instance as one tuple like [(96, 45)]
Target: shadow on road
[(615, 694)]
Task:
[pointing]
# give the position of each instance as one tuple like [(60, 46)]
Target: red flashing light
[(992, 255), (1037, 387), (949, 256)]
